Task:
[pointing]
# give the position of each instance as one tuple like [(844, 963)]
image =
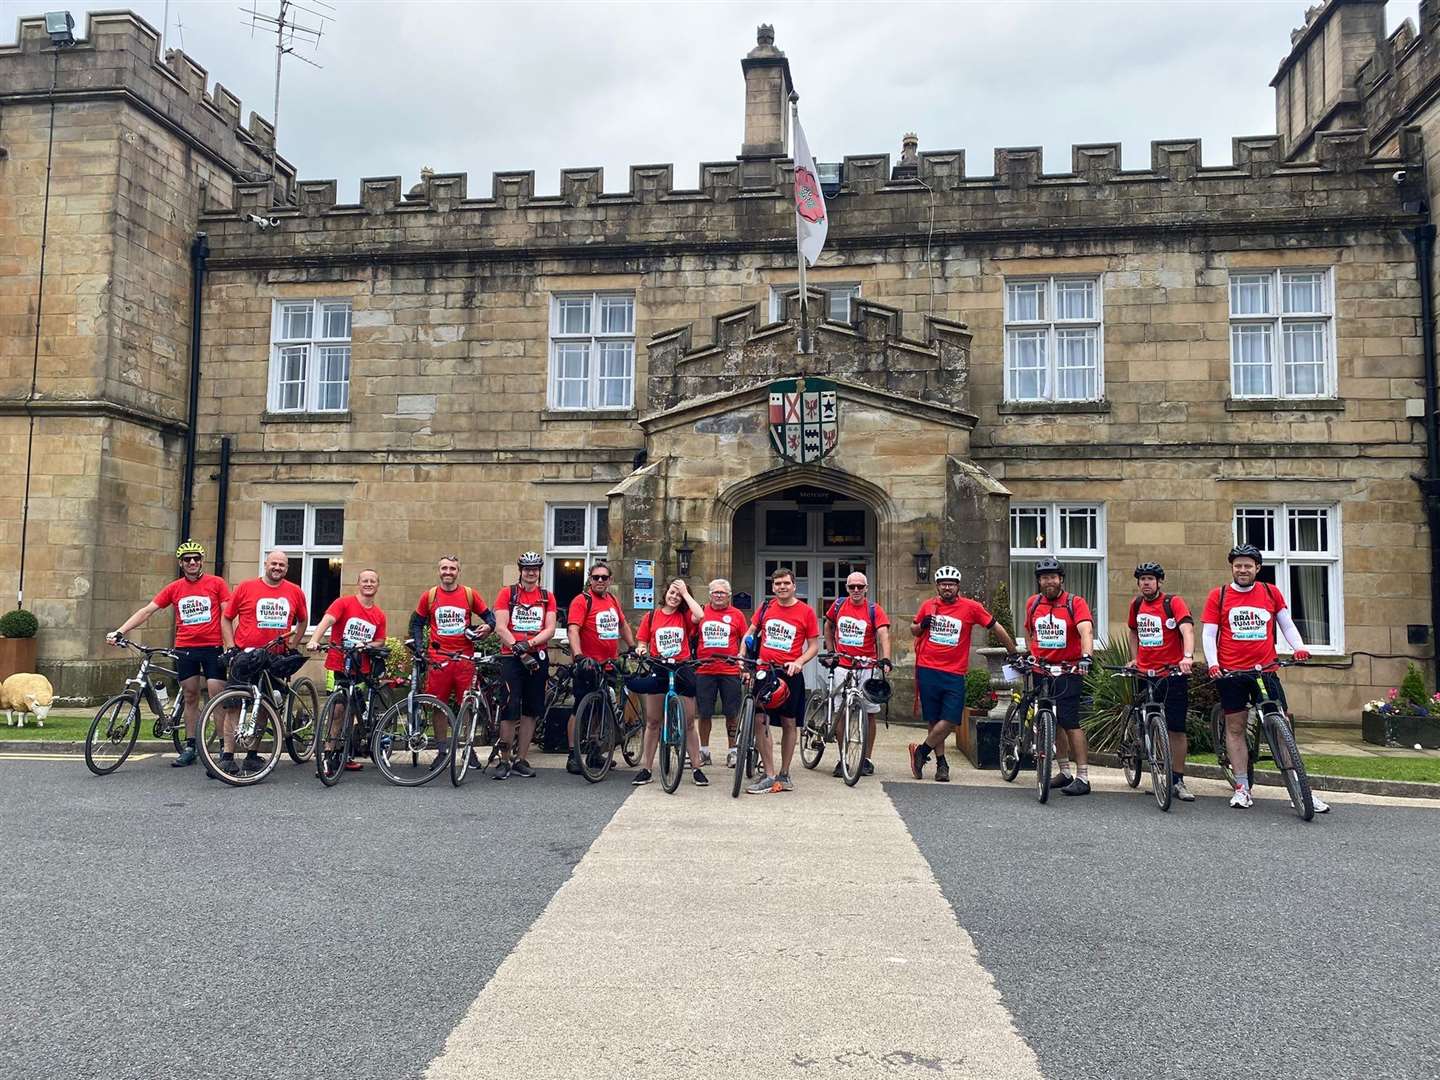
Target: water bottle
[(162, 694)]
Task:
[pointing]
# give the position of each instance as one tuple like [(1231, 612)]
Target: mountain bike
[(747, 755), (1145, 740), (347, 719), (263, 710), (607, 719), (1029, 724), (405, 744), (1269, 717), (477, 720), (672, 723), (821, 713), (116, 725)]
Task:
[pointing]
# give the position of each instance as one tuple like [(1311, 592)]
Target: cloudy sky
[(480, 87)]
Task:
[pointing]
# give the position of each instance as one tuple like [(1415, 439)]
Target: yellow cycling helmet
[(190, 547)]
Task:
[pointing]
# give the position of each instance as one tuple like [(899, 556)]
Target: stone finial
[(909, 149), (764, 42), (418, 192)]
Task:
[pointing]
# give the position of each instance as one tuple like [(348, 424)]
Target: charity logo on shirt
[(715, 634), (669, 639), (193, 610), (607, 625), (272, 613), (851, 631), (1050, 632), (1150, 630), (358, 631), (528, 618), (779, 635), (450, 620), (1249, 623), (944, 631)]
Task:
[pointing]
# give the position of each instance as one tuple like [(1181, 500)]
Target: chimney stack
[(767, 99)]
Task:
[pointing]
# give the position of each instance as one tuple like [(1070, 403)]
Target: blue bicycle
[(672, 723)]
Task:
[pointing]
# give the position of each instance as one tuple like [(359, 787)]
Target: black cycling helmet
[(1154, 569), (1049, 565), (1245, 551), (876, 690)]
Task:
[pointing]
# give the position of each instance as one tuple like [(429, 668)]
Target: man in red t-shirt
[(1060, 629), (198, 599), (356, 621), (1239, 633), (857, 626), (525, 621), (596, 625), (788, 635), (445, 610), (942, 629), (1162, 633), (717, 679)]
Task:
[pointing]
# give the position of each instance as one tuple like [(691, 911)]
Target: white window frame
[(591, 550), (1275, 322), (1051, 328), (851, 290), (1051, 534), (594, 340), (310, 383), (1282, 558), (307, 551)]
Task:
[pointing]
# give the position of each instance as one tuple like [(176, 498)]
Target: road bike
[(406, 744), (606, 719), (116, 725), (1029, 724), (348, 716), (477, 720), (265, 708), (1145, 740), (821, 714), (747, 754), (672, 722), (1268, 716)]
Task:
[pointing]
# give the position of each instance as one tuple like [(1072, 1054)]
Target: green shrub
[(1106, 700), (1203, 700), (978, 694), (18, 624), (1000, 608), (1412, 688)]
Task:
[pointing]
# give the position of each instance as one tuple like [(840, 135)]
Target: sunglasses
[(599, 577), (857, 586), (192, 558)]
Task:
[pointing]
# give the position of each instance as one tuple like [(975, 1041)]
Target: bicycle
[(1145, 740), (607, 719), (410, 730), (1268, 716), (357, 704), (269, 709), (116, 725), (478, 714), (818, 731), (672, 724), (1029, 724), (747, 755)]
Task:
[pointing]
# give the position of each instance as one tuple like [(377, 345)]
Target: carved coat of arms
[(804, 419)]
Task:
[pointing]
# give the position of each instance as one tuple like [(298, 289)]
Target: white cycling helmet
[(947, 573)]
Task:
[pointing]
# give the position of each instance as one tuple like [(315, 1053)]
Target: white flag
[(811, 220)]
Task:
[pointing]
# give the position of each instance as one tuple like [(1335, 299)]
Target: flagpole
[(799, 251)]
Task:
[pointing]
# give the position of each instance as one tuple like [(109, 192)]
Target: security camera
[(263, 222), (1399, 176)]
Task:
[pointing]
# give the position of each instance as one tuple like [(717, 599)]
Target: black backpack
[(830, 616), (1164, 600), (1035, 606), (1269, 591)]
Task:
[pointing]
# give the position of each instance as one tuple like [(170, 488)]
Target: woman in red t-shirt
[(350, 620), (668, 633)]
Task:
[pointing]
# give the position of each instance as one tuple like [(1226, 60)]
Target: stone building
[(1105, 364)]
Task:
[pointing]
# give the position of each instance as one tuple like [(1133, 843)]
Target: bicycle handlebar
[(1163, 671), (1026, 662), (120, 641), (1259, 669), (834, 660)]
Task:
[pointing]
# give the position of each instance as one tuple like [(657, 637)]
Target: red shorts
[(452, 679)]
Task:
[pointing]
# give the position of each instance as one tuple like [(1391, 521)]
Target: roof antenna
[(288, 30)]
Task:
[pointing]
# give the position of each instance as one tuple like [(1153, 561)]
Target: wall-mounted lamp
[(683, 553), (61, 28), (922, 556)]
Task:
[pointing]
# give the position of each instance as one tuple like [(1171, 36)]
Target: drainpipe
[(199, 252), (222, 502), (1423, 237)]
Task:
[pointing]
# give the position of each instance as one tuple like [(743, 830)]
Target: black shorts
[(658, 682), (527, 689), (1239, 692), (793, 710), (1067, 690), (199, 660), (1172, 691), (724, 688)]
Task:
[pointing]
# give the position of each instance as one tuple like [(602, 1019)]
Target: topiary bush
[(18, 624), (1412, 688), (979, 697), (1000, 608)]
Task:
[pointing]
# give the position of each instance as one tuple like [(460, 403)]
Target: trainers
[(762, 786), (1182, 792), (522, 768), (229, 766), (502, 769), (353, 766), (867, 767), (1061, 780), (701, 780), (254, 763), (782, 782), (1320, 805), (572, 764), (730, 758), (835, 771), (705, 756), (187, 757), (1078, 786), (475, 762), (1241, 800), (917, 763), (642, 778), (942, 771)]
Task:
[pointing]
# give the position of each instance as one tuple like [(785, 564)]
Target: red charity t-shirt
[(786, 630), (600, 627), (1160, 641), (854, 635), (945, 645), (721, 633), (667, 633), (1247, 624), (355, 624), (198, 605), (262, 612), (1050, 630), (528, 616), (450, 617)]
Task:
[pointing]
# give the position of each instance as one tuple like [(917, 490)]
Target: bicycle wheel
[(1011, 734), (632, 732), (1130, 750), (1158, 753), (812, 735), (1288, 761), (852, 750), (467, 722), (744, 746), (302, 706), (672, 744), (332, 745), (1217, 736), (406, 749), (112, 734), (257, 736), (593, 744), (1044, 752)]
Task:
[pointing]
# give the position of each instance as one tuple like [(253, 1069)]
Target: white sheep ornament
[(26, 693)]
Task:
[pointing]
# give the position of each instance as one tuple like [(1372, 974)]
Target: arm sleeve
[(417, 626), (1211, 636), (1289, 629)]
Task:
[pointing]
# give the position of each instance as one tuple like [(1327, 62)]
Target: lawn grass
[(1425, 770), (59, 727)]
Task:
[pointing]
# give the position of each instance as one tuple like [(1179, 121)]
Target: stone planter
[(1399, 729), (16, 655)]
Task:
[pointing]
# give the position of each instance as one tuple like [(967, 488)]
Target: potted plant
[(17, 642), (1406, 716), (980, 698)]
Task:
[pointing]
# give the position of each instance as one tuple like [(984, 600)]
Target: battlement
[(1400, 76), (118, 55)]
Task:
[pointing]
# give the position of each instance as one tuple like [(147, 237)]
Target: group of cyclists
[(705, 647)]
